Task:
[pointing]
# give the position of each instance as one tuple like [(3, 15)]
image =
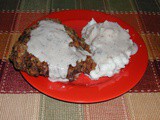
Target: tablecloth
[(20, 101)]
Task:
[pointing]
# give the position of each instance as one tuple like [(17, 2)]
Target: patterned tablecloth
[(19, 101)]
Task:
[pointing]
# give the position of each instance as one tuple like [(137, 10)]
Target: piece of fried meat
[(27, 62)]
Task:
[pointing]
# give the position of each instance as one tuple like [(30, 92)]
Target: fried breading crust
[(27, 62)]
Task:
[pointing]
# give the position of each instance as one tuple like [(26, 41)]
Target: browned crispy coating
[(81, 67), (24, 61), (27, 62)]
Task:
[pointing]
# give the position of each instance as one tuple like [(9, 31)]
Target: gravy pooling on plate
[(110, 45)]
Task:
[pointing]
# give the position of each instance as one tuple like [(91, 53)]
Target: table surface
[(20, 101)]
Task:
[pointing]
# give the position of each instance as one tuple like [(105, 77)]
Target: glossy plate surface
[(84, 90)]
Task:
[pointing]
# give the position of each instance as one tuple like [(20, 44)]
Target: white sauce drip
[(110, 45), (50, 43)]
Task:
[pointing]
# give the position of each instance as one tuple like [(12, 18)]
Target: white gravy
[(50, 43)]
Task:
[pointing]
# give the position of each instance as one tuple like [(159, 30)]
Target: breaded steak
[(27, 62)]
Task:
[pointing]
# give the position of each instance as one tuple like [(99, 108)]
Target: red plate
[(83, 90)]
